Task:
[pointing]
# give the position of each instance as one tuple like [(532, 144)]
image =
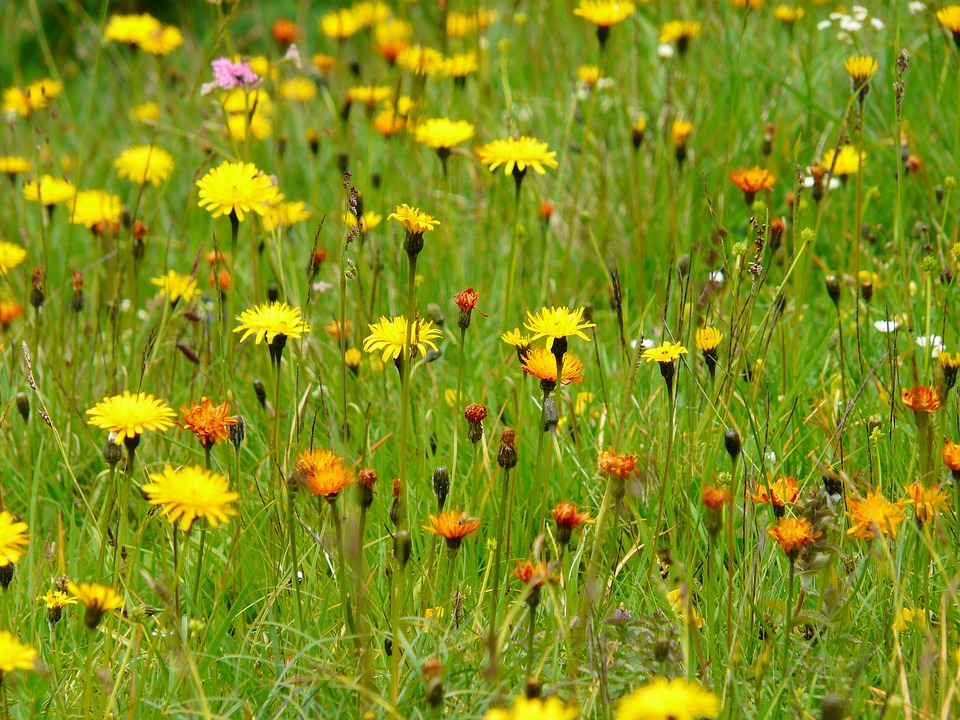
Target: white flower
[(886, 326), (648, 343), (877, 23), (717, 277), (850, 24), (860, 12), (771, 456), (916, 8), (665, 51), (934, 342), (823, 25)]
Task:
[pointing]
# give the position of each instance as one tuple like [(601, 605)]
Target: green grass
[(807, 386)]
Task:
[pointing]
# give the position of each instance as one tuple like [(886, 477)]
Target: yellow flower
[(390, 335), (533, 709), (460, 25), (298, 89), (161, 41), (860, 68), (792, 534), (847, 162), (874, 515), (679, 31), (443, 133), (907, 615), (97, 599), (268, 320), (787, 13), (543, 365), (237, 189), (340, 24), (555, 323), (421, 60), (145, 163), (708, 338), (414, 220), (285, 214), (516, 155), (14, 655), (949, 18), (10, 256), (676, 600), (239, 125), (370, 220), (57, 599), (604, 13), (191, 493), (752, 180), (460, 65), (13, 539), (352, 358), (130, 415), (514, 338), (676, 699), (389, 122), (665, 353), (35, 96), (680, 132), (13, 164), (369, 95), (323, 63), (147, 113), (323, 473), (393, 37), (91, 207), (588, 74), (175, 287), (368, 13), (244, 101), (131, 29), (927, 501)]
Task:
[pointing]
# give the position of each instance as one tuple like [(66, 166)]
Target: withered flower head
[(568, 519)]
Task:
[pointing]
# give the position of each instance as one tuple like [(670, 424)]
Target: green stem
[(105, 516), (344, 596), (664, 484), (196, 582), (294, 560), (495, 593)]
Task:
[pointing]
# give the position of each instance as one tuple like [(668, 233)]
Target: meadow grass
[(831, 290)]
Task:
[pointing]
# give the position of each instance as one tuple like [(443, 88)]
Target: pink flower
[(229, 75)]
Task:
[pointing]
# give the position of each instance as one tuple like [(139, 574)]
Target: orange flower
[(751, 181), (779, 492), (874, 515), (921, 399), (542, 364), (616, 465), (323, 473), (285, 31), (927, 502), (792, 534), (10, 310), (452, 526), (715, 498), (568, 519), (207, 421), (951, 457), (533, 573)]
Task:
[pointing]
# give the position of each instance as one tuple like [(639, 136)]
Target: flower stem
[(196, 582), (495, 591), (344, 596), (294, 561)]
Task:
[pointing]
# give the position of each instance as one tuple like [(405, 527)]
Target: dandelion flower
[(680, 132), (269, 320), (129, 416), (516, 155), (56, 601), (861, 68), (390, 336), (557, 323), (323, 473), (49, 191), (751, 181), (616, 464), (525, 708), (845, 162), (949, 18), (209, 422), (145, 164), (662, 699), (13, 539), (175, 287), (10, 256), (93, 207), (542, 365), (35, 96), (369, 95), (340, 24), (665, 353), (681, 32), (237, 189), (414, 220), (14, 655), (286, 214), (393, 37), (131, 29), (442, 134), (788, 14), (421, 60), (97, 599), (452, 526), (13, 165), (792, 534), (191, 493), (298, 89), (459, 66), (927, 501), (161, 41), (874, 516)]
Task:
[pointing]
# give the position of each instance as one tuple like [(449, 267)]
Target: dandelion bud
[(6, 575), (731, 441), (534, 689), (23, 406), (777, 227), (237, 432), (313, 140), (112, 453), (401, 548), (396, 514), (441, 486), (550, 416), (76, 302), (507, 455), (261, 392), (475, 415), (833, 289)]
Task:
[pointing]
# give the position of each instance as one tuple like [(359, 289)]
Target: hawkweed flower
[(521, 343), (393, 37), (927, 501), (49, 191), (949, 18), (792, 534), (750, 181), (415, 223), (663, 699), (778, 494), (128, 416), (324, 474), (516, 156), (527, 708), (707, 340), (666, 356), (949, 364), (24, 101), (13, 165), (10, 310), (285, 31), (14, 655), (340, 24), (874, 516), (844, 162), (97, 210), (176, 287), (10, 256), (97, 599), (475, 415), (568, 519), (191, 493), (714, 498), (13, 543), (443, 134), (297, 89), (556, 324), (788, 14), (210, 423), (637, 132), (861, 68), (421, 60), (274, 322), (604, 14), (467, 301), (56, 601), (542, 365), (236, 189), (680, 32), (534, 574), (680, 134), (390, 336), (453, 527), (144, 164), (459, 67), (366, 479), (679, 602), (616, 465), (951, 458)]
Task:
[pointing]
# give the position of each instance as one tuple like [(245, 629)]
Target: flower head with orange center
[(130, 415), (921, 399), (792, 534), (750, 181), (927, 501), (542, 365), (323, 473), (453, 526), (393, 37), (616, 465), (190, 493), (207, 421), (874, 516)]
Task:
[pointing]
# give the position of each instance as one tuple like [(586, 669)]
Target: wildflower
[(951, 458), (861, 68), (843, 163), (751, 181), (442, 134), (921, 399), (13, 165), (95, 207), (662, 699), (13, 539), (175, 287), (191, 493), (390, 335), (228, 75), (507, 452), (323, 473), (389, 123), (393, 37), (414, 220), (949, 18), (707, 340), (557, 324), (459, 66), (615, 464), (35, 96), (516, 155), (131, 29), (369, 95), (534, 574), (778, 493), (525, 708), (714, 498), (568, 519), (298, 89), (949, 363), (475, 415), (145, 163), (274, 322), (161, 41), (14, 655), (421, 60), (467, 301), (340, 24), (792, 534), (10, 310), (677, 599), (680, 133), (874, 516), (97, 599), (927, 501), (285, 214), (209, 422), (681, 32), (452, 526), (542, 365), (147, 113), (236, 189), (521, 343), (665, 355), (10, 256), (787, 14), (907, 616), (56, 601), (637, 131), (130, 415)]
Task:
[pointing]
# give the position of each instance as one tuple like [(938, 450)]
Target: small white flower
[(860, 12), (648, 343), (771, 456), (851, 25), (844, 36), (717, 277), (665, 51), (322, 287), (836, 16), (293, 55), (877, 23), (605, 83), (886, 326), (916, 8), (934, 342), (823, 25)]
